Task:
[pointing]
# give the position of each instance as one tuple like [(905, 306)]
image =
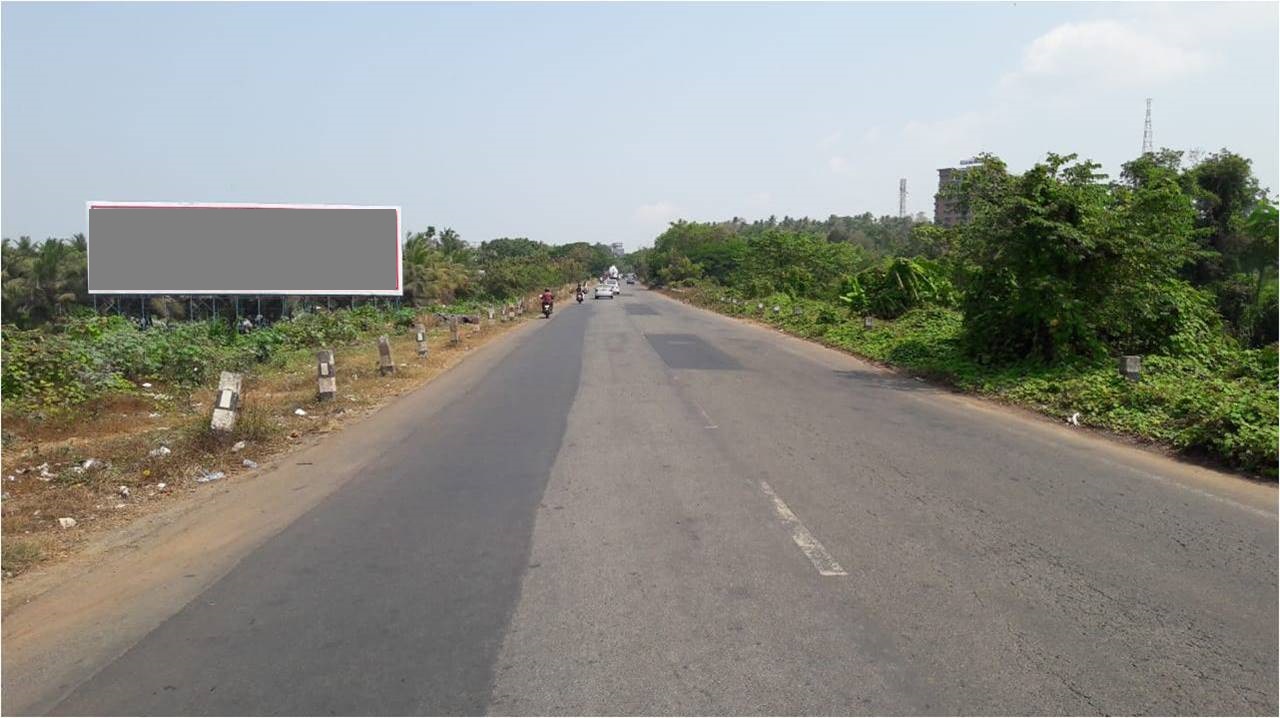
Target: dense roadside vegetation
[(57, 354), (1057, 272)]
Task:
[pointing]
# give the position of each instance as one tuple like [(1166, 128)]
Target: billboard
[(225, 248)]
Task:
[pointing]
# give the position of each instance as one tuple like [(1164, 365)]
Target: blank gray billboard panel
[(167, 248)]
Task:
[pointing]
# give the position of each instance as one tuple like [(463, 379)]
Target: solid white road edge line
[(811, 547)]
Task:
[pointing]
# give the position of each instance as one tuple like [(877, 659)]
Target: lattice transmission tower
[(902, 197), (1147, 145)]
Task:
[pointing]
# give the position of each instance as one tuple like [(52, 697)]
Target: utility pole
[(902, 197), (1147, 145)]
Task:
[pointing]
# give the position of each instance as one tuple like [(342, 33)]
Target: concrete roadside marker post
[(385, 365), (1131, 367), (420, 335), (491, 315), (226, 406), (453, 329), (868, 323), (326, 382)]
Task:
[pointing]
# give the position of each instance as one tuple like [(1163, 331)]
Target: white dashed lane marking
[(817, 553)]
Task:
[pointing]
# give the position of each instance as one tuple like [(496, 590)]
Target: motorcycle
[(579, 297), (546, 310)]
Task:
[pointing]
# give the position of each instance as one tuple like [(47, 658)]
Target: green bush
[(896, 284), (67, 364)]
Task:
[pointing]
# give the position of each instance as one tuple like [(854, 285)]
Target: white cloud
[(1069, 65), (838, 164), (831, 140), (657, 213), (1102, 54)]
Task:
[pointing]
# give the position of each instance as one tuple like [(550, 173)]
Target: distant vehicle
[(631, 280), (604, 291), (613, 285), (613, 272)]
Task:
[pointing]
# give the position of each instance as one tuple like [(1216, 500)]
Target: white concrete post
[(868, 322), (453, 330), (326, 382), (1131, 367), (420, 335), (385, 365), (226, 406)]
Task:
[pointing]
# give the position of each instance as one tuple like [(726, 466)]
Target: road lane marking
[(811, 547), (710, 424)]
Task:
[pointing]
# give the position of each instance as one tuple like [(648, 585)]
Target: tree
[(1224, 190), (453, 246), (43, 281), (1066, 264), (509, 247), (1135, 173), (1258, 323), (432, 276)]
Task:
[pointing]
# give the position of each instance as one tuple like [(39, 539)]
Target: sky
[(602, 122)]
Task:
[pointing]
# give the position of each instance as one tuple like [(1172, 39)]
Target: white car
[(604, 291), (614, 286)]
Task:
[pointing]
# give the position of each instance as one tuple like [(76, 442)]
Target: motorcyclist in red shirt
[(548, 299)]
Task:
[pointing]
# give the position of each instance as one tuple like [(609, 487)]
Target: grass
[(16, 555)]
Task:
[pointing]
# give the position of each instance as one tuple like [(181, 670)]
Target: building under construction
[(947, 212)]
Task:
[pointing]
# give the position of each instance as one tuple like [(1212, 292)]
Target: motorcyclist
[(548, 298)]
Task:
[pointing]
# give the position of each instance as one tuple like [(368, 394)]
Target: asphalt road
[(647, 509)]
